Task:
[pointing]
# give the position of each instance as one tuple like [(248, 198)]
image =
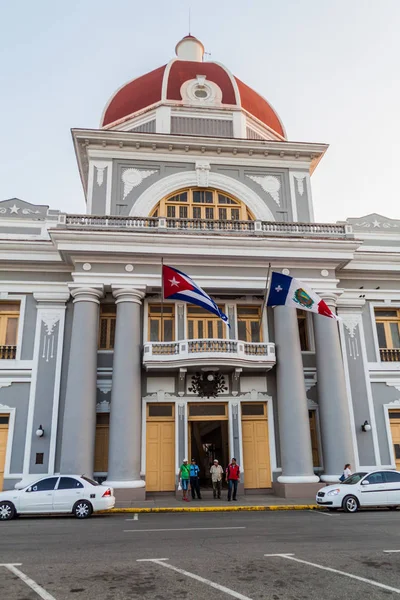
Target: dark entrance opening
[(208, 440)]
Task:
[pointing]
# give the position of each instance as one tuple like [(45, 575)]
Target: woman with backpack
[(346, 472)]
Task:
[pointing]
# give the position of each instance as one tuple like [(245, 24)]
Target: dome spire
[(190, 48)]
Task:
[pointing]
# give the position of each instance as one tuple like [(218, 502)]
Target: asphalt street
[(320, 555)]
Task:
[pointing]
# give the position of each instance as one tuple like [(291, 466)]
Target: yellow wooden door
[(3, 446), (160, 456), (395, 429), (314, 437), (101, 444), (256, 463)]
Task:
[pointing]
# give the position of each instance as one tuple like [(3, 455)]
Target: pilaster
[(39, 456), (358, 384)]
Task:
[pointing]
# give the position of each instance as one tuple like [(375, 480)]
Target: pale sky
[(329, 67)]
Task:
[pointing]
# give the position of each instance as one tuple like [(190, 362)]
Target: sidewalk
[(255, 502)]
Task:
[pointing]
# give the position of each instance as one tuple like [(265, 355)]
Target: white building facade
[(99, 377)]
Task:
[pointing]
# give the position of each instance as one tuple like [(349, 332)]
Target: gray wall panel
[(383, 394), (28, 335), (100, 177), (368, 333), (199, 126)]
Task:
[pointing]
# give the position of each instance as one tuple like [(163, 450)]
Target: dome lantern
[(190, 48)]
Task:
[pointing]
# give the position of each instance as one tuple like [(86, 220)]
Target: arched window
[(197, 203)]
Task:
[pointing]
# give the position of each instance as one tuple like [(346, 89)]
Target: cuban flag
[(179, 286), (287, 291)]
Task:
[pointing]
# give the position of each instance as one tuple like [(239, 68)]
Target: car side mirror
[(365, 482)]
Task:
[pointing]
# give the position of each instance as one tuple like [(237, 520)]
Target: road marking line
[(135, 518), (29, 582), (391, 551), (357, 577), (279, 554), (182, 529), (221, 588), (317, 512)]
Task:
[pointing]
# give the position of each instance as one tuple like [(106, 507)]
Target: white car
[(376, 488), (57, 494)]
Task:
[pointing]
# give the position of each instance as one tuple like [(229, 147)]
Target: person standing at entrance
[(194, 479), (216, 472), (232, 476), (184, 475)]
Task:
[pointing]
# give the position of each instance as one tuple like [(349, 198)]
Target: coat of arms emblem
[(301, 297)]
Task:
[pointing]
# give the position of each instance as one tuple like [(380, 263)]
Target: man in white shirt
[(216, 472)]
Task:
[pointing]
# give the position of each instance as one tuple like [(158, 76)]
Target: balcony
[(8, 352), (390, 354), (204, 226), (208, 352)]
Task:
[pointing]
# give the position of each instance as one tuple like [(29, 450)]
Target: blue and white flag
[(288, 291), (179, 286)]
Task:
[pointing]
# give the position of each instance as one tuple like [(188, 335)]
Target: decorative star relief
[(269, 184), (14, 209)]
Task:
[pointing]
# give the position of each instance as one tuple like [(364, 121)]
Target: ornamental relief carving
[(300, 179), (132, 178), (269, 184), (49, 320)]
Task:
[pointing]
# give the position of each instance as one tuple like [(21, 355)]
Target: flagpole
[(162, 300), (265, 297)]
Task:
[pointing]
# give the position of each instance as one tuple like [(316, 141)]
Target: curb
[(175, 509)]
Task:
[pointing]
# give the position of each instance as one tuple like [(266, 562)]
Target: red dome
[(164, 85)]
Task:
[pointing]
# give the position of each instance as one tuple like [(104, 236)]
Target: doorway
[(4, 419), (208, 437), (394, 416)]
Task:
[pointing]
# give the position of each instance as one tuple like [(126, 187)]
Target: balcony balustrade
[(169, 225), (390, 354), (8, 352), (208, 352)]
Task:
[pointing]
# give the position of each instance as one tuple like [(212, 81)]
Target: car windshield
[(355, 478), (89, 480)]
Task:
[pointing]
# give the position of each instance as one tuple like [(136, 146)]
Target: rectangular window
[(171, 212), (249, 323), (196, 212), (255, 410), (183, 212), (9, 316), (387, 327), (39, 458), (161, 323), (160, 410), (108, 316), (222, 214), (303, 333), (235, 214), (209, 213), (205, 410), (204, 325)]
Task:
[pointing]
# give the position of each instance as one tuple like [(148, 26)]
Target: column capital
[(353, 305), (330, 297), (87, 294), (51, 299), (128, 294)]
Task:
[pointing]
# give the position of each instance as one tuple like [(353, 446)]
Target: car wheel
[(7, 511), (392, 507), (82, 509), (350, 504)]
